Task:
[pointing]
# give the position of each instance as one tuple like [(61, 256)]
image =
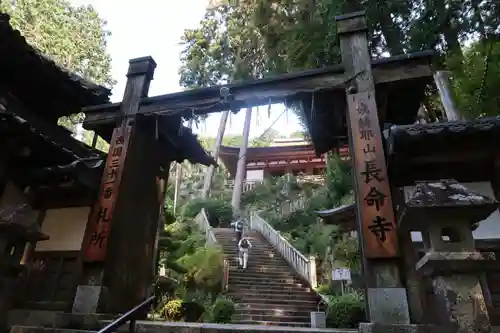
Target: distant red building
[(283, 156)]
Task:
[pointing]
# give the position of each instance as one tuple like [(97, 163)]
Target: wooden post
[(386, 298), (442, 79), (242, 164), (123, 224), (209, 175)]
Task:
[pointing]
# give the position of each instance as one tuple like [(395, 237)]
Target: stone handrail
[(289, 206), (305, 267), (201, 221)]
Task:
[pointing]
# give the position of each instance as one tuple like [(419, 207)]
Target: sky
[(154, 28)]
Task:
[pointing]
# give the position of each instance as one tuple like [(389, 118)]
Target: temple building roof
[(300, 154)]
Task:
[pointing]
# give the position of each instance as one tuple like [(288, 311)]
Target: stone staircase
[(269, 292)]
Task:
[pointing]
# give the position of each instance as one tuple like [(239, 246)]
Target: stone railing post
[(312, 272)]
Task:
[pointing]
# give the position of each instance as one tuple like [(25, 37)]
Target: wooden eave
[(462, 150), (342, 216)]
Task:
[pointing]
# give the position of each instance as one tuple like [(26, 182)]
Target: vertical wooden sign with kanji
[(373, 190), (96, 242)]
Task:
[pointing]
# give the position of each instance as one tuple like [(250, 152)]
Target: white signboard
[(341, 274)]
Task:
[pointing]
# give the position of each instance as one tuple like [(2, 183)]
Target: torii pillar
[(385, 295), (119, 245)]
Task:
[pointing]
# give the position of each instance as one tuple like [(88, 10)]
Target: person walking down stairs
[(244, 246)]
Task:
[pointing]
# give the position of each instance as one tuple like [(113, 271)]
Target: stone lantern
[(18, 227), (446, 212)]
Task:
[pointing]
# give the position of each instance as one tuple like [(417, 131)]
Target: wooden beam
[(261, 92)]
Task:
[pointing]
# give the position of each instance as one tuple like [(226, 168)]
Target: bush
[(173, 310), (219, 212), (204, 269), (223, 311), (345, 311)]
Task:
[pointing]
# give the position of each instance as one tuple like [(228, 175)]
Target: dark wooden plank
[(95, 244), (373, 190)]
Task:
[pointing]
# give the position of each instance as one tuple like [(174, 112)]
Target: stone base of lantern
[(457, 289), (445, 263)]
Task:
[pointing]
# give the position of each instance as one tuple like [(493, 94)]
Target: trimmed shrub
[(345, 311), (223, 311)]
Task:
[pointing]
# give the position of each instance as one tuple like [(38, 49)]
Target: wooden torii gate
[(126, 253)]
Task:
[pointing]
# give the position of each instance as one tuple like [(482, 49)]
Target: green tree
[(73, 36), (276, 36)]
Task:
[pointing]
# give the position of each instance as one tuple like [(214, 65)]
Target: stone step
[(259, 285), (264, 259), (276, 325), (280, 295), (272, 317), (261, 262), (256, 300), (265, 279), (270, 272), (254, 248), (287, 306), (274, 312)]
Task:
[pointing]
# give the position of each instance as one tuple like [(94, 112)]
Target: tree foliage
[(256, 38), (73, 36)]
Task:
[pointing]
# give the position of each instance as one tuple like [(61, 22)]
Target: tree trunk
[(178, 177), (211, 169), (242, 163), (392, 33)]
